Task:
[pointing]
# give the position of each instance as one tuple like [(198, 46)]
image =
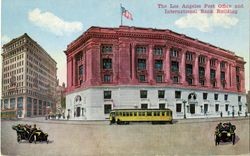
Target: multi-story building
[(60, 97), (131, 67), (28, 78), (248, 101)]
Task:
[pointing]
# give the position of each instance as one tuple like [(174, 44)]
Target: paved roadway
[(98, 138)]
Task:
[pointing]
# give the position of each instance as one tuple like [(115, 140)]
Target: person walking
[(221, 114)]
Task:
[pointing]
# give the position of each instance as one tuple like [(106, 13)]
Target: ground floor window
[(178, 107), (240, 107), (107, 108), (144, 106), (216, 107), (205, 108), (226, 108), (162, 106)]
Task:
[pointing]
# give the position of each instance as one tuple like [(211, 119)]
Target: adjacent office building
[(28, 78)]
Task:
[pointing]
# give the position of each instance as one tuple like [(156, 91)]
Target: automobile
[(225, 133), (25, 132)]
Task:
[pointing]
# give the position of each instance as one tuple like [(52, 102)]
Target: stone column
[(150, 64), (218, 81), (196, 70), (242, 80), (207, 72), (227, 76), (233, 77), (74, 71), (182, 67), (167, 65), (133, 63)]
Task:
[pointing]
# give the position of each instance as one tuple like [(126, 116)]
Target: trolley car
[(8, 114), (124, 116)]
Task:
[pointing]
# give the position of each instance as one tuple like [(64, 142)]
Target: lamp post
[(184, 103)]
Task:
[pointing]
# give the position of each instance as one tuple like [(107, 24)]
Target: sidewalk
[(106, 122)]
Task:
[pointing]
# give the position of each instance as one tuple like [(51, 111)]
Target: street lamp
[(184, 103)]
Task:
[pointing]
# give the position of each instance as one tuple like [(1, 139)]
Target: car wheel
[(18, 138)]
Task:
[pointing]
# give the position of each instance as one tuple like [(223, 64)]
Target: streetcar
[(124, 116), (8, 114)]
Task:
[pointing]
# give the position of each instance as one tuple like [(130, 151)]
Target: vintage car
[(225, 132), (25, 132)]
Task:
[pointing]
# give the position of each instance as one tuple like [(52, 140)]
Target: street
[(185, 137)]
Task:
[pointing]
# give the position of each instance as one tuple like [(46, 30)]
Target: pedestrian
[(245, 114), (238, 113), (221, 114), (233, 114)]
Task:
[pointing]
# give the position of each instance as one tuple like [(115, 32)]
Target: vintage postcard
[(125, 77)]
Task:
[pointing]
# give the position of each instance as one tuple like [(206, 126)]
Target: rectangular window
[(177, 94), (237, 69), (225, 97), (141, 49), (204, 96), (158, 64), (178, 107), (107, 63), (141, 64), (212, 62), (212, 74), (202, 59), (202, 82), (189, 81), (143, 94), (239, 98), (144, 106), (106, 48), (201, 72), (12, 103), (240, 108), (107, 94), (189, 69), (159, 78), (226, 107), (107, 78), (107, 108), (142, 78), (80, 70), (161, 94), (189, 56), (216, 107), (174, 66), (222, 65), (175, 79), (174, 52), (215, 96), (222, 76), (162, 105), (158, 51)]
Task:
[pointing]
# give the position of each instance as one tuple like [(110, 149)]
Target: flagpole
[(121, 13)]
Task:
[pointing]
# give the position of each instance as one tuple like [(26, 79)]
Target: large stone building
[(131, 67), (60, 97), (28, 78), (248, 101)]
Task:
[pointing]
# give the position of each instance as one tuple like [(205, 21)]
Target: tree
[(63, 103)]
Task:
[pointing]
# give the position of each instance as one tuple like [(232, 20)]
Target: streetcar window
[(167, 113), (143, 113), (163, 113), (157, 113), (140, 113), (130, 114), (123, 113), (149, 114), (154, 113), (135, 113), (127, 113)]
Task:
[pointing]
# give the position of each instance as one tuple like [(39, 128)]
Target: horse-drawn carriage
[(225, 132), (25, 132)]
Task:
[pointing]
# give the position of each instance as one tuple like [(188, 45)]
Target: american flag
[(126, 13)]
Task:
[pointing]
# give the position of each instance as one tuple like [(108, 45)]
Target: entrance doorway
[(205, 108), (78, 111), (192, 108)]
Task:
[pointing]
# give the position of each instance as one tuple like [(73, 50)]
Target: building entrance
[(192, 108), (78, 111)]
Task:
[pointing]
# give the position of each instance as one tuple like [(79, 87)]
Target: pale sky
[(56, 23)]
